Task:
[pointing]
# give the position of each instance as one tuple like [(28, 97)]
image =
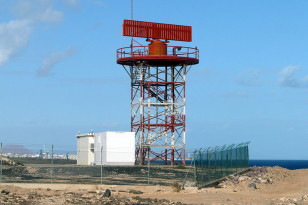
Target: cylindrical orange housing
[(157, 48)]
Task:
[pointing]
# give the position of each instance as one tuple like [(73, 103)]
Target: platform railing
[(137, 51)]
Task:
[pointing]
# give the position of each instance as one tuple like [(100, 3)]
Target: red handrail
[(136, 51)]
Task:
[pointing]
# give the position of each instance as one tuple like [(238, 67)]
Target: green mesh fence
[(29, 163), (214, 163), (38, 163)]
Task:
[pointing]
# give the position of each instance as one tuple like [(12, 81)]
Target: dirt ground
[(266, 185)]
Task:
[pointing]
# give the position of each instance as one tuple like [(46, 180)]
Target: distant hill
[(16, 149)]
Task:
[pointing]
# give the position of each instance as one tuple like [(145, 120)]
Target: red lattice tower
[(158, 79)]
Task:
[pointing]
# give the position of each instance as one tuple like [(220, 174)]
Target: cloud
[(202, 73), (94, 80), (88, 80), (99, 3), (235, 94), (288, 77), (108, 124), (249, 78), (37, 11), (72, 3), (53, 59), (14, 35)]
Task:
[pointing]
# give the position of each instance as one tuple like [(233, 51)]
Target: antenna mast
[(132, 9), (132, 18)]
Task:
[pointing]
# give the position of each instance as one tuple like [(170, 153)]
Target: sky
[(59, 77)]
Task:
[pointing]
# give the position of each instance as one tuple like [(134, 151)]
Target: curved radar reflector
[(157, 30)]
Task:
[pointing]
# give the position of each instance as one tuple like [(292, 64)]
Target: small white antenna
[(132, 9)]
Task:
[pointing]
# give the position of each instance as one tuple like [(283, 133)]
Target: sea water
[(288, 164)]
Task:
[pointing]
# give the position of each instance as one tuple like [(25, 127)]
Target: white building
[(85, 149), (107, 148)]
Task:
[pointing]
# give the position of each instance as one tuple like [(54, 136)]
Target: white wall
[(100, 148), (118, 148), (85, 156)]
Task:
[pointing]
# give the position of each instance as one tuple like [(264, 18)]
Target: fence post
[(215, 152), (236, 159), (208, 158), (239, 148), (247, 149), (221, 164), (201, 164), (149, 166), (228, 158), (186, 174), (247, 153), (51, 177), (101, 164), (231, 150), (196, 179), (221, 154), (1, 163)]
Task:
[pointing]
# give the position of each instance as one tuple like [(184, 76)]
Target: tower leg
[(184, 157), (166, 156), (172, 156), (140, 156)]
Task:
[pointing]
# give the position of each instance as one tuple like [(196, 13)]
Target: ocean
[(288, 164)]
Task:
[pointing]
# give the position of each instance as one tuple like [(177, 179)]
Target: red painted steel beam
[(160, 125), (157, 30)]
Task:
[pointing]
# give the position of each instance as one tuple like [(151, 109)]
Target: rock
[(135, 192), (242, 178), (263, 170), (252, 186), (231, 177), (270, 181), (137, 198), (255, 169), (107, 193), (264, 181), (235, 181), (5, 191), (251, 174), (48, 189), (176, 187)]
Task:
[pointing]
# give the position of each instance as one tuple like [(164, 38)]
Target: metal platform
[(176, 55)]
